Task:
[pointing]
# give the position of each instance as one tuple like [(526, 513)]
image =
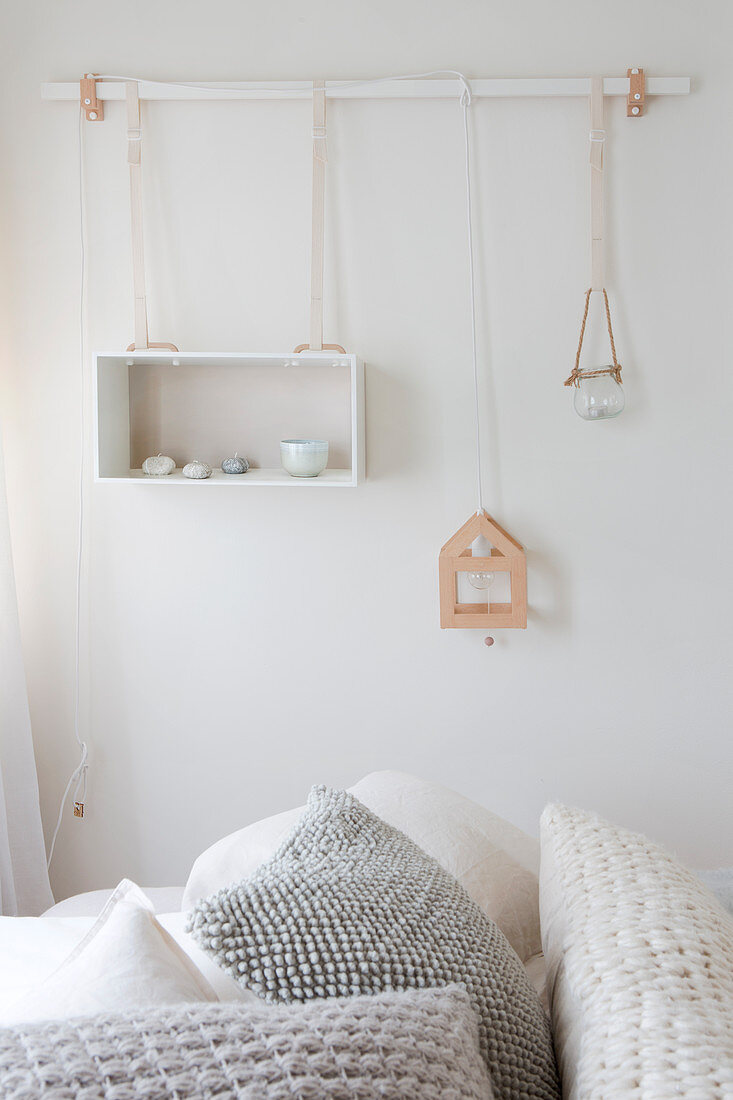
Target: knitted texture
[(350, 905), (417, 1045), (640, 964)]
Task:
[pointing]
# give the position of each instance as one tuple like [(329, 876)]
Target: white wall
[(240, 646)]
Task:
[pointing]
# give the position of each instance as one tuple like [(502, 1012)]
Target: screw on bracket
[(93, 107), (637, 92)]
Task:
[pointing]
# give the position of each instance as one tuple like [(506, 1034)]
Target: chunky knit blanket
[(640, 963), (350, 905), (395, 1046)]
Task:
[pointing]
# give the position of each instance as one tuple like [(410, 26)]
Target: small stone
[(235, 465), (196, 470), (158, 465)]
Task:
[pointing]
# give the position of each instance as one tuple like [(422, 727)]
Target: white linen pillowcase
[(495, 862), (32, 948), (126, 960)]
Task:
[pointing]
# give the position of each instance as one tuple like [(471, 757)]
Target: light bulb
[(481, 581), (598, 398), (481, 548)]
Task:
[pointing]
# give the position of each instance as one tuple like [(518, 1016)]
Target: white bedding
[(495, 862), (31, 948)]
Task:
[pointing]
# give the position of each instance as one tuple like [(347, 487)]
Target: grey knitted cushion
[(417, 1045), (350, 905)]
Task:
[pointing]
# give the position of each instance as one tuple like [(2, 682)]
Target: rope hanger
[(576, 373), (597, 139)]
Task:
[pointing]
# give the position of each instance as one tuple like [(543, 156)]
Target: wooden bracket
[(93, 107), (637, 93)]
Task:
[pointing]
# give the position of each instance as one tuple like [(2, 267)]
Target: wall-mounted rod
[(391, 89)]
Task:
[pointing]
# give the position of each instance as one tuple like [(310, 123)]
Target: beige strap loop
[(326, 347), (320, 156), (576, 374), (166, 347)]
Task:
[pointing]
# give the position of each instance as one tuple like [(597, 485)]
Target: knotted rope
[(576, 373)]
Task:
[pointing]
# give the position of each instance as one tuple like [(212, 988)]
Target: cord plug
[(78, 809)]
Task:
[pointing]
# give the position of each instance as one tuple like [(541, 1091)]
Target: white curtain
[(24, 885)]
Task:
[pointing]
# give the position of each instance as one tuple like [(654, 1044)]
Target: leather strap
[(134, 160), (320, 156), (597, 150)]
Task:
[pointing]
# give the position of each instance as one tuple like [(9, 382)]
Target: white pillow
[(127, 960), (495, 862), (640, 966), (164, 899), (32, 948)]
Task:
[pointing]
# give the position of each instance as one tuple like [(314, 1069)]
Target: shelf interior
[(209, 406)]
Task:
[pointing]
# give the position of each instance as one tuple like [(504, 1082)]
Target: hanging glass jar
[(598, 393)]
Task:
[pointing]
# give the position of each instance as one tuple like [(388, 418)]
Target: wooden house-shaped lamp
[(507, 556)]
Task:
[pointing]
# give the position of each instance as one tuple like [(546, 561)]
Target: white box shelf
[(207, 406)]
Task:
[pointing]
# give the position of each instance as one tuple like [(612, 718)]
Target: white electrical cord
[(306, 93), (465, 102), (79, 775), (472, 280)]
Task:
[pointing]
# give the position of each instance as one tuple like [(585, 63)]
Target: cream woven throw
[(349, 905), (640, 964), (421, 1045)]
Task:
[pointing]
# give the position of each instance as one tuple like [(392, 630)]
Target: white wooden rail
[(391, 89)]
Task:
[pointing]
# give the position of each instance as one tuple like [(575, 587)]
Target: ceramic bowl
[(304, 457)]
